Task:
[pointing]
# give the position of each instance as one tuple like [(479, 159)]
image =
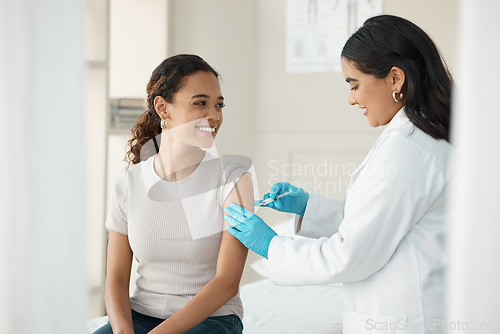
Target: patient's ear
[(160, 105)]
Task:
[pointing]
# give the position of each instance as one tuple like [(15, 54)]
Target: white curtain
[(42, 232), (474, 276)]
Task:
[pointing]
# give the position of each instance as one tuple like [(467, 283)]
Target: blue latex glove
[(249, 228), (296, 202)]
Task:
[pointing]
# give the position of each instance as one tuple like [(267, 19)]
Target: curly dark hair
[(166, 80)]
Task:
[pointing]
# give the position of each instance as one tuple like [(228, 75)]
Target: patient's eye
[(220, 105), (200, 103), (354, 87)]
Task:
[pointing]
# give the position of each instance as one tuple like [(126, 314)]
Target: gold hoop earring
[(394, 96), (163, 123)]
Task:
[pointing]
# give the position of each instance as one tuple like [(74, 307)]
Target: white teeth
[(206, 129)]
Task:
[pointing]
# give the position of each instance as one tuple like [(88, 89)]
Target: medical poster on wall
[(316, 31)]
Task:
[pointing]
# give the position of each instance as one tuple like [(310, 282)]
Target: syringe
[(270, 200)]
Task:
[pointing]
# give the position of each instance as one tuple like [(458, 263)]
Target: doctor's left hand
[(249, 228)]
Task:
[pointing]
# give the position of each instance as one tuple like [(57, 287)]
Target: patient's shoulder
[(236, 164)]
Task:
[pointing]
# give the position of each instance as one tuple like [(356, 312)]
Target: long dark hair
[(166, 80), (385, 41)]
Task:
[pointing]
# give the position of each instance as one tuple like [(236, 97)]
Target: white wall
[(95, 120), (43, 195), (137, 44), (223, 33), (474, 273)]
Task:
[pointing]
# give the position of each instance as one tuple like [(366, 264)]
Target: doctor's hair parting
[(385, 41), (166, 80)]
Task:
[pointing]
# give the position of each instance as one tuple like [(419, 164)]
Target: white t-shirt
[(174, 230)]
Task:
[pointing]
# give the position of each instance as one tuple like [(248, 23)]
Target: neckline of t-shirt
[(159, 179)]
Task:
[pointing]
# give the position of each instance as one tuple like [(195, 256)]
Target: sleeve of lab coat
[(392, 192), (321, 218)]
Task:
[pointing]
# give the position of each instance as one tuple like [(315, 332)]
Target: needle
[(270, 200)]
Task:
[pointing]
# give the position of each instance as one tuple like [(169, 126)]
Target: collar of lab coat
[(399, 120)]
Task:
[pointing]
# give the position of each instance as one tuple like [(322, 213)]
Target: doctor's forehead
[(350, 71), (347, 68)]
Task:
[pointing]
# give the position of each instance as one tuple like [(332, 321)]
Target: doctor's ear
[(160, 105), (397, 78)]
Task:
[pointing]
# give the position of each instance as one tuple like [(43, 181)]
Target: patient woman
[(167, 211)]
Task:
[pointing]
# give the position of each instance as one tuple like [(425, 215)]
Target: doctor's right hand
[(296, 202)]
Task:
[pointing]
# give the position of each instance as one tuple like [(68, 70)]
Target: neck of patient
[(176, 161)]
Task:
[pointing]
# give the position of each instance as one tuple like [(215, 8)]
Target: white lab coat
[(385, 242)]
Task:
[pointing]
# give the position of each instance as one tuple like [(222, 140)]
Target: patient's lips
[(207, 129)]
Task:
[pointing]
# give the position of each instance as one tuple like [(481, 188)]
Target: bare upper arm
[(232, 253), (119, 258)]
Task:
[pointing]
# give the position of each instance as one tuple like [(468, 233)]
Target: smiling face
[(194, 117), (373, 95)]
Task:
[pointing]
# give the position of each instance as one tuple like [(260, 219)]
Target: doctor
[(385, 242)]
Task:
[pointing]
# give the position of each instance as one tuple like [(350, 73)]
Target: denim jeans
[(227, 324)]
